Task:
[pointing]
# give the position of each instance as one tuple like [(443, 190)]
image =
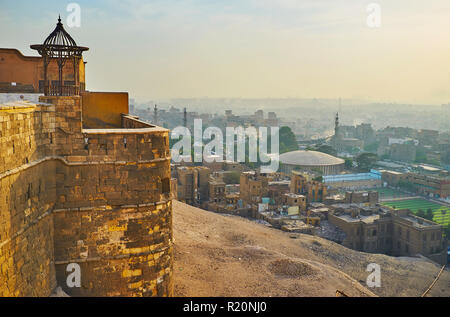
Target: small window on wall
[(165, 185)]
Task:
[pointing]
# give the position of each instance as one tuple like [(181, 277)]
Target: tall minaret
[(155, 114), (336, 124), (185, 118), (336, 137), (336, 121)]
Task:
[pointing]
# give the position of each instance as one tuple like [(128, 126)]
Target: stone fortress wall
[(27, 197), (96, 197)]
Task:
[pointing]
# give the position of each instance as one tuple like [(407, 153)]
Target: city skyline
[(251, 49)]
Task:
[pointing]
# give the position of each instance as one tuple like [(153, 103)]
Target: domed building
[(311, 161)]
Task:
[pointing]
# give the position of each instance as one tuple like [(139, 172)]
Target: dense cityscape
[(389, 173)]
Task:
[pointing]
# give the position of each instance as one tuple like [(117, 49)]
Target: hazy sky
[(251, 48)]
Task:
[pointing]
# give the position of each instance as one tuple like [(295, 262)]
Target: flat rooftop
[(415, 222), (365, 219), (294, 195), (285, 182), (392, 172)]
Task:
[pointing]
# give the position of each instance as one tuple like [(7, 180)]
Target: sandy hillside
[(220, 255)]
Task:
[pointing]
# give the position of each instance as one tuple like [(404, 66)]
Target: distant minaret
[(336, 137), (185, 118), (155, 114), (336, 124)]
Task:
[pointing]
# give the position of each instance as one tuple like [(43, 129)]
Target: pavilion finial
[(59, 18)]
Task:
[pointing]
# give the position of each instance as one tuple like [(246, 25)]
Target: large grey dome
[(309, 158)]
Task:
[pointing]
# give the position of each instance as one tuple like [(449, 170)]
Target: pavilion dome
[(59, 44), (59, 36)]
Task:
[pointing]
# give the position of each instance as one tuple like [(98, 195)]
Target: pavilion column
[(75, 76), (60, 74), (45, 75), (60, 77)]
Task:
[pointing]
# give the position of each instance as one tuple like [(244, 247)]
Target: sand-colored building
[(392, 178), (253, 187), (361, 197), (436, 187), (193, 187), (294, 200), (304, 184), (388, 231)]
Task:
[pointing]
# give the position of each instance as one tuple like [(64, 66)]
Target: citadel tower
[(84, 182)]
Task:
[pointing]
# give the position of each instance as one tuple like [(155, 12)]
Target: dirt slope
[(221, 255)]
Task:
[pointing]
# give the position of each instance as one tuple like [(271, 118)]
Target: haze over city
[(252, 49)]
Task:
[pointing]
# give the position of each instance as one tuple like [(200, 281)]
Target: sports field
[(387, 193), (441, 213)]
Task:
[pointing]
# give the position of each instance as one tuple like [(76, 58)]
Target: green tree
[(288, 142), (445, 157), (231, 178), (348, 163), (406, 185), (318, 178), (447, 231), (372, 147), (429, 214), (421, 156), (326, 149), (420, 213), (365, 161)]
